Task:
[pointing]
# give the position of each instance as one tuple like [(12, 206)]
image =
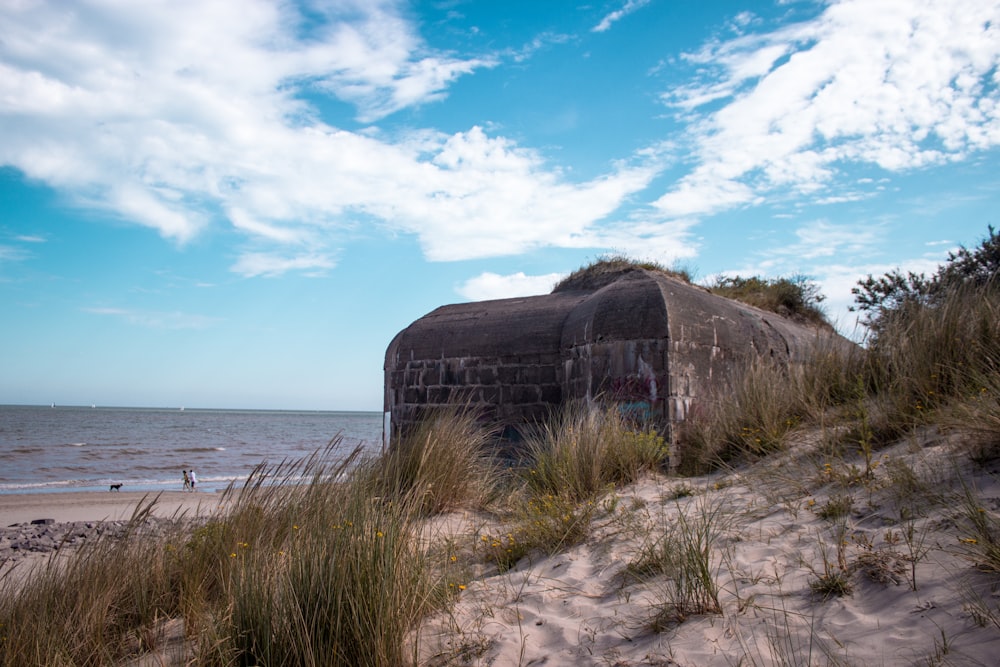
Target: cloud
[(12, 254), (253, 264), (375, 60), (629, 7), (157, 320), (891, 84), (487, 286), (176, 115), (821, 238)]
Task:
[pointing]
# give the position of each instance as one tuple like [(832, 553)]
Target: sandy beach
[(100, 506), (769, 544)]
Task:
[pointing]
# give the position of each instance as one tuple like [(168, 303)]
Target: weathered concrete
[(641, 338)]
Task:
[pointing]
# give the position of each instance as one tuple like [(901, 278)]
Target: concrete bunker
[(642, 338)]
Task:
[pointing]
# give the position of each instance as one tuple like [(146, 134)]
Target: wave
[(26, 450)]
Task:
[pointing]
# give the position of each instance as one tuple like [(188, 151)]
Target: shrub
[(796, 298), (882, 299)]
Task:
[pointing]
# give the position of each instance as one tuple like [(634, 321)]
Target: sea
[(55, 448)]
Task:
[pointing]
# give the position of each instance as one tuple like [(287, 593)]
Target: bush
[(894, 294), (796, 298)]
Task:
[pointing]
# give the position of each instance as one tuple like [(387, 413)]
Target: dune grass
[(88, 609), (445, 462), (684, 551), (936, 362), (581, 450), (316, 562)]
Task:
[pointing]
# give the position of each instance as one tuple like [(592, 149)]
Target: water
[(84, 449)]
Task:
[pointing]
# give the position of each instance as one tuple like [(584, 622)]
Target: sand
[(64, 513), (582, 607), (100, 506)]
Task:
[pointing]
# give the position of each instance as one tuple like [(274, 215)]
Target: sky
[(238, 203)]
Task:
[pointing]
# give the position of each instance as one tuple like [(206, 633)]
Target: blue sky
[(238, 204)]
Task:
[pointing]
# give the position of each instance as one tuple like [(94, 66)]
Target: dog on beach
[(115, 487)]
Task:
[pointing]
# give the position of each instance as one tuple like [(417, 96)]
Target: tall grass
[(928, 356), (446, 461), (90, 608), (316, 562), (342, 587), (583, 449), (978, 415), (750, 417)]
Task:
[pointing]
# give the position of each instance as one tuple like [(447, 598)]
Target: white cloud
[(487, 286), (896, 84), (376, 61), (630, 6), (823, 239), (172, 114), (253, 264)]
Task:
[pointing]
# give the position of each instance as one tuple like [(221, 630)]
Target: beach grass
[(316, 562)]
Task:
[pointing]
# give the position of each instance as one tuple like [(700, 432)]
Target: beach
[(92, 506)]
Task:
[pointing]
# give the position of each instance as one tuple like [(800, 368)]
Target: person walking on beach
[(187, 481), (194, 480)]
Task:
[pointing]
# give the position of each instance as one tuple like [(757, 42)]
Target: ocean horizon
[(52, 448)]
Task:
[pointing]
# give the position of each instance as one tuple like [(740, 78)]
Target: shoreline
[(70, 506)]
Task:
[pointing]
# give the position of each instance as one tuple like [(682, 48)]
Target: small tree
[(894, 293)]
